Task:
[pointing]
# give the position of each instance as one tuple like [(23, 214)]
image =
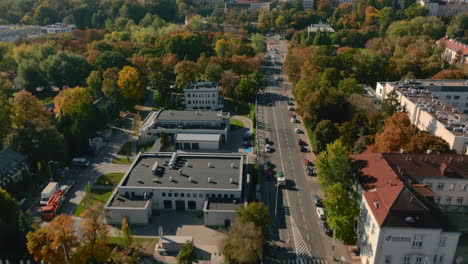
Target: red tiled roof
[(381, 199), (454, 45), (424, 190), (375, 171)]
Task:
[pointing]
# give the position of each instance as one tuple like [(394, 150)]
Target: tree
[(127, 233), (53, 243), (9, 205), (242, 243), (110, 88), (423, 142), (325, 133), (159, 75), (334, 165), (342, 211), (228, 82), (44, 15), (5, 118), (110, 59), (187, 254), (259, 43), (256, 213), (186, 71), (30, 76), (130, 84), (196, 23), (458, 27), (449, 74), (415, 10), (94, 82), (391, 105), (66, 68), (349, 86), (74, 103), (213, 72), (246, 89), (164, 141), (396, 134)]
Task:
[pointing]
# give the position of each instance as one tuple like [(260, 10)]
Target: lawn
[(236, 124), (110, 179), (98, 196), (126, 149), (122, 161), (136, 240), (240, 108), (143, 148)]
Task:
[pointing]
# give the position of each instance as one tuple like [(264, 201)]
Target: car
[(290, 103), (80, 162), (309, 171), (269, 172), (267, 141), (321, 213), (291, 108), (306, 162), (297, 130), (299, 142), (247, 143), (326, 229), (267, 148), (304, 149), (64, 188), (317, 200)]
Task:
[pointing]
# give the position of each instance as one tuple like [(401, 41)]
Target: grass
[(97, 196), (122, 161), (236, 124), (110, 179), (136, 240), (143, 148), (126, 149)]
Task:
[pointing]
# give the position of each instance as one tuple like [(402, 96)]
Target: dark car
[(304, 149), (267, 141), (326, 229), (299, 142), (317, 200), (309, 171)]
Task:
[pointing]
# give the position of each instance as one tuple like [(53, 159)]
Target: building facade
[(398, 222), (445, 8), (455, 52), (203, 96), (195, 122), (439, 107), (58, 28), (13, 167), (174, 181), (10, 33)]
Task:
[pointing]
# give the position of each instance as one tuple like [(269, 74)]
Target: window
[(448, 199), (225, 196), (460, 200), (188, 195), (169, 194), (189, 102), (466, 104), (163, 194), (417, 241), (456, 97), (440, 187), (182, 194), (219, 195), (232, 195), (406, 260), (176, 195), (200, 195), (442, 241), (388, 259), (429, 184), (441, 259), (167, 204), (437, 199), (213, 195), (451, 187), (419, 260), (448, 97), (463, 187), (189, 95)]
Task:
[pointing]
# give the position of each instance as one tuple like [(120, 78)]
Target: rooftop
[(198, 137), (9, 161), (123, 202), (454, 45), (223, 204), (191, 171), (190, 115), (321, 27), (202, 86)]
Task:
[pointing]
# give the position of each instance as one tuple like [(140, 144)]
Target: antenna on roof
[(187, 164), (209, 180)]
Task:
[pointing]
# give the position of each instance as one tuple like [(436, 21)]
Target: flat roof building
[(204, 96), (193, 122), (454, 51), (439, 107), (168, 181), (13, 167)]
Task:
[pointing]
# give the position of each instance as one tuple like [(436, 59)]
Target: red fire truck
[(49, 211)]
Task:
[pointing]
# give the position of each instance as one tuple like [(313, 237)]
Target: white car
[(267, 148), (297, 130), (321, 213), (64, 188)]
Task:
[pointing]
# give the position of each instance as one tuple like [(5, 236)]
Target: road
[(295, 233)]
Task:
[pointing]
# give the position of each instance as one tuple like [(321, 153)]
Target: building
[(320, 27), (308, 4), (439, 107), (197, 141), (9, 33), (58, 28), (203, 96), (454, 51), (13, 167), (445, 8), (173, 181), (398, 223), (200, 126)]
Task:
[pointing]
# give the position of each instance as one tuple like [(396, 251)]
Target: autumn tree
[(396, 134), (342, 211), (55, 242), (186, 71), (164, 141), (450, 74), (110, 88), (127, 233), (334, 165), (131, 85), (228, 82), (423, 142), (73, 102), (324, 133), (187, 254), (256, 213), (242, 243), (5, 118)]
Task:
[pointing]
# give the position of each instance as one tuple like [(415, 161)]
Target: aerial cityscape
[(234, 131)]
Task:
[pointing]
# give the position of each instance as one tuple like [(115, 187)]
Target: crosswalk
[(300, 260), (301, 248)]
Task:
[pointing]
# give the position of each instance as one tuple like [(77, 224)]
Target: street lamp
[(50, 171)]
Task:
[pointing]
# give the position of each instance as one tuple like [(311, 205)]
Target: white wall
[(140, 216), (368, 235), (460, 189), (217, 218), (202, 145)]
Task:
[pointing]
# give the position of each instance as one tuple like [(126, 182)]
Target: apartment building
[(204, 96), (445, 8), (58, 28), (454, 51), (439, 107), (398, 223), (320, 27), (13, 167)]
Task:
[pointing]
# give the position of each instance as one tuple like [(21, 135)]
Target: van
[(80, 162)]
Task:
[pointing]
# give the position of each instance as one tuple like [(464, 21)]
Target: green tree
[(187, 254), (44, 15), (242, 243), (94, 82), (130, 84), (334, 166), (256, 213), (324, 133), (110, 59), (458, 27), (74, 103), (196, 23), (349, 86), (186, 71), (391, 105), (5, 118), (342, 211), (213, 72), (9, 205), (159, 74), (66, 68), (110, 88), (246, 89), (415, 10), (259, 42), (127, 233), (30, 76)]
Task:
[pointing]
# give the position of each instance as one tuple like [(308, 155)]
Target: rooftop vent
[(187, 164), (171, 179), (209, 180), (230, 180), (209, 164), (190, 179), (140, 181), (409, 219), (180, 171), (376, 204), (232, 165)]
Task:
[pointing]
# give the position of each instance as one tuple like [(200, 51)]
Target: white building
[(194, 122), (198, 141), (204, 96), (14, 32), (174, 181), (445, 8), (320, 27), (439, 107), (454, 51), (58, 28), (13, 167), (397, 223)]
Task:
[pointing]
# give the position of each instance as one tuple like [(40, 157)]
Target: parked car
[(326, 229), (80, 162), (317, 200), (304, 149), (267, 140), (267, 148), (306, 162), (321, 213), (297, 130), (299, 142), (291, 108)]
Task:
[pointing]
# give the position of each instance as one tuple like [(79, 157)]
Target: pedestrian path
[(300, 260)]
